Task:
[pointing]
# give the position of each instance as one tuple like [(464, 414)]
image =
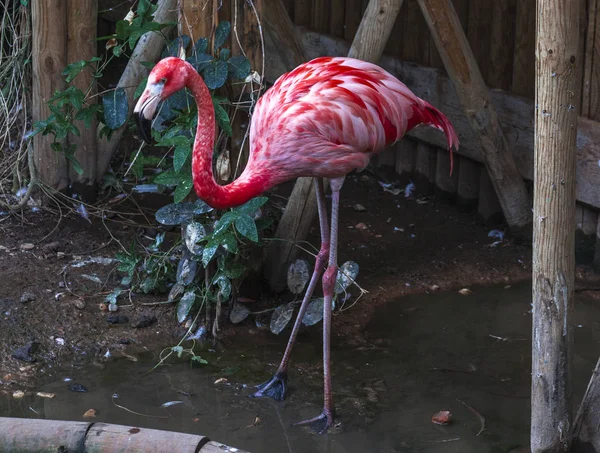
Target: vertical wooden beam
[(320, 16), (557, 93), (523, 80), (500, 69), (590, 100), (302, 12), (48, 58), (282, 30), (478, 32), (81, 45), (337, 18), (197, 19), (475, 99)]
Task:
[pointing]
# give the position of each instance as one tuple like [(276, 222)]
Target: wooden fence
[(502, 36)]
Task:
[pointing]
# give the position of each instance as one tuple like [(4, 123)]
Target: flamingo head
[(168, 76)]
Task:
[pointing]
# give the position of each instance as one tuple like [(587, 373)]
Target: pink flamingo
[(324, 119)]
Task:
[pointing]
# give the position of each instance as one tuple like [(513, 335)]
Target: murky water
[(419, 354)]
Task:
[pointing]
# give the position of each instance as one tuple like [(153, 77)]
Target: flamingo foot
[(276, 388), (321, 423)]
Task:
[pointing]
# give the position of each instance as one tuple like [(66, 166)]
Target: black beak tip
[(144, 127)]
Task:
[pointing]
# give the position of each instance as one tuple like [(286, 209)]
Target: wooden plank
[(81, 45), (467, 190), (523, 80), (553, 259), (462, 10), (500, 68), (197, 19), (406, 151), (289, 45), (302, 12), (395, 43), (587, 421), (320, 16), (596, 261), (425, 167), (478, 32), (353, 15), (386, 158), (445, 182), (589, 221), (590, 100), (337, 18), (416, 35), (476, 103), (515, 114), (48, 58)]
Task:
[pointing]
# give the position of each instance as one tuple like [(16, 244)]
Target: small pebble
[(18, 394), (117, 319), (27, 297), (359, 208), (361, 226), (144, 321), (90, 413), (79, 304), (434, 288), (27, 246), (51, 247), (465, 292), (442, 418)]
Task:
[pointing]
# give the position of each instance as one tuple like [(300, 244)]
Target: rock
[(465, 292), (27, 296), (51, 247), (124, 341), (77, 388), (27, 246), (221, 381), (79, 304), (113, 307), (90, 413), (361, 226), (117, 319), (45, 395), (442, 418), (24, 352), (434, 288), (144, 321), (359, 208), (18, 394)]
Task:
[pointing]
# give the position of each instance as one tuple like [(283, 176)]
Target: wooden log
[(587, 421), (148, 48), (117, 438), (488, 205), (406, 150), (48, 59), (41, 436), (462, 9), (523, 78), (81, 45), (474, 96), (446, 183), (596, 260), (557, 85), (467, 190), (301, 210), (515, 113)]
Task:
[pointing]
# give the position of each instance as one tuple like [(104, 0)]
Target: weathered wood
[(288, 42), (478, 32), (302, 12), (353, 16), (425, 167), (596, 260), (589, 221), (337, 18), (148, 48), (48, 59), (416, 35), (590, 100), (43, 436), (586, 435), (500, 69), (81, 45), (217, 447), (462, 10), (320, 16), (515, 115), (467, 190), (488, 205), (557, 92), (445, 182), (523, 80), (386, 158), (197, 19), (406, 150), (474, 96)]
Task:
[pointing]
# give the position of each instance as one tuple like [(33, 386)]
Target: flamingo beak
[(145, 109)]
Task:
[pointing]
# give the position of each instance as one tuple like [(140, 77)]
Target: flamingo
[(323, 119)]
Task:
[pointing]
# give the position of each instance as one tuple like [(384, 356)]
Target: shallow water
[(418, 355)]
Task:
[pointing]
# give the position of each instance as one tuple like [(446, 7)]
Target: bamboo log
[(301, 210), (587, 421), (81, 45), (557, 85), (42, 436), (148, 48), (49, 56), (461, 66)]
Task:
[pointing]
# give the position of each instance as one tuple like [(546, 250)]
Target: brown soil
[(433, 244)]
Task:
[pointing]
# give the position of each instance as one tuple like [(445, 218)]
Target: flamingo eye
[(163, 80)]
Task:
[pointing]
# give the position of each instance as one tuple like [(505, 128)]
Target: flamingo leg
[(324, 421), (276, 387)]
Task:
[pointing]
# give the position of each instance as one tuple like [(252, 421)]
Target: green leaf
[(209, 251), (232, 269), (224, 285), (168, 178), (224, 54), (172, 49), (180, 156), (184, 188), (185, 305), (178, 350), (222, 33), (200, 61), (115, 108), (246, 227), (73, 69), (222, 119), (239, 67), (87, 114), (229, 242), (215, 74), (200, 46), (223, 223), (199, 359), (112, 297), (146, 9), (251, 206)]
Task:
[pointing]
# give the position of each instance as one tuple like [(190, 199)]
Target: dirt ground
[(403, 246)]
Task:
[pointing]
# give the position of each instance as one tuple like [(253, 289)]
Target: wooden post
[(587, 421), (148, 48), (82, 19), (301, 210), (474, 96), (48, 58), (557, 93)]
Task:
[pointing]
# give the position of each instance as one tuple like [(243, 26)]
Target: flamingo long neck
[(247, 186)]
